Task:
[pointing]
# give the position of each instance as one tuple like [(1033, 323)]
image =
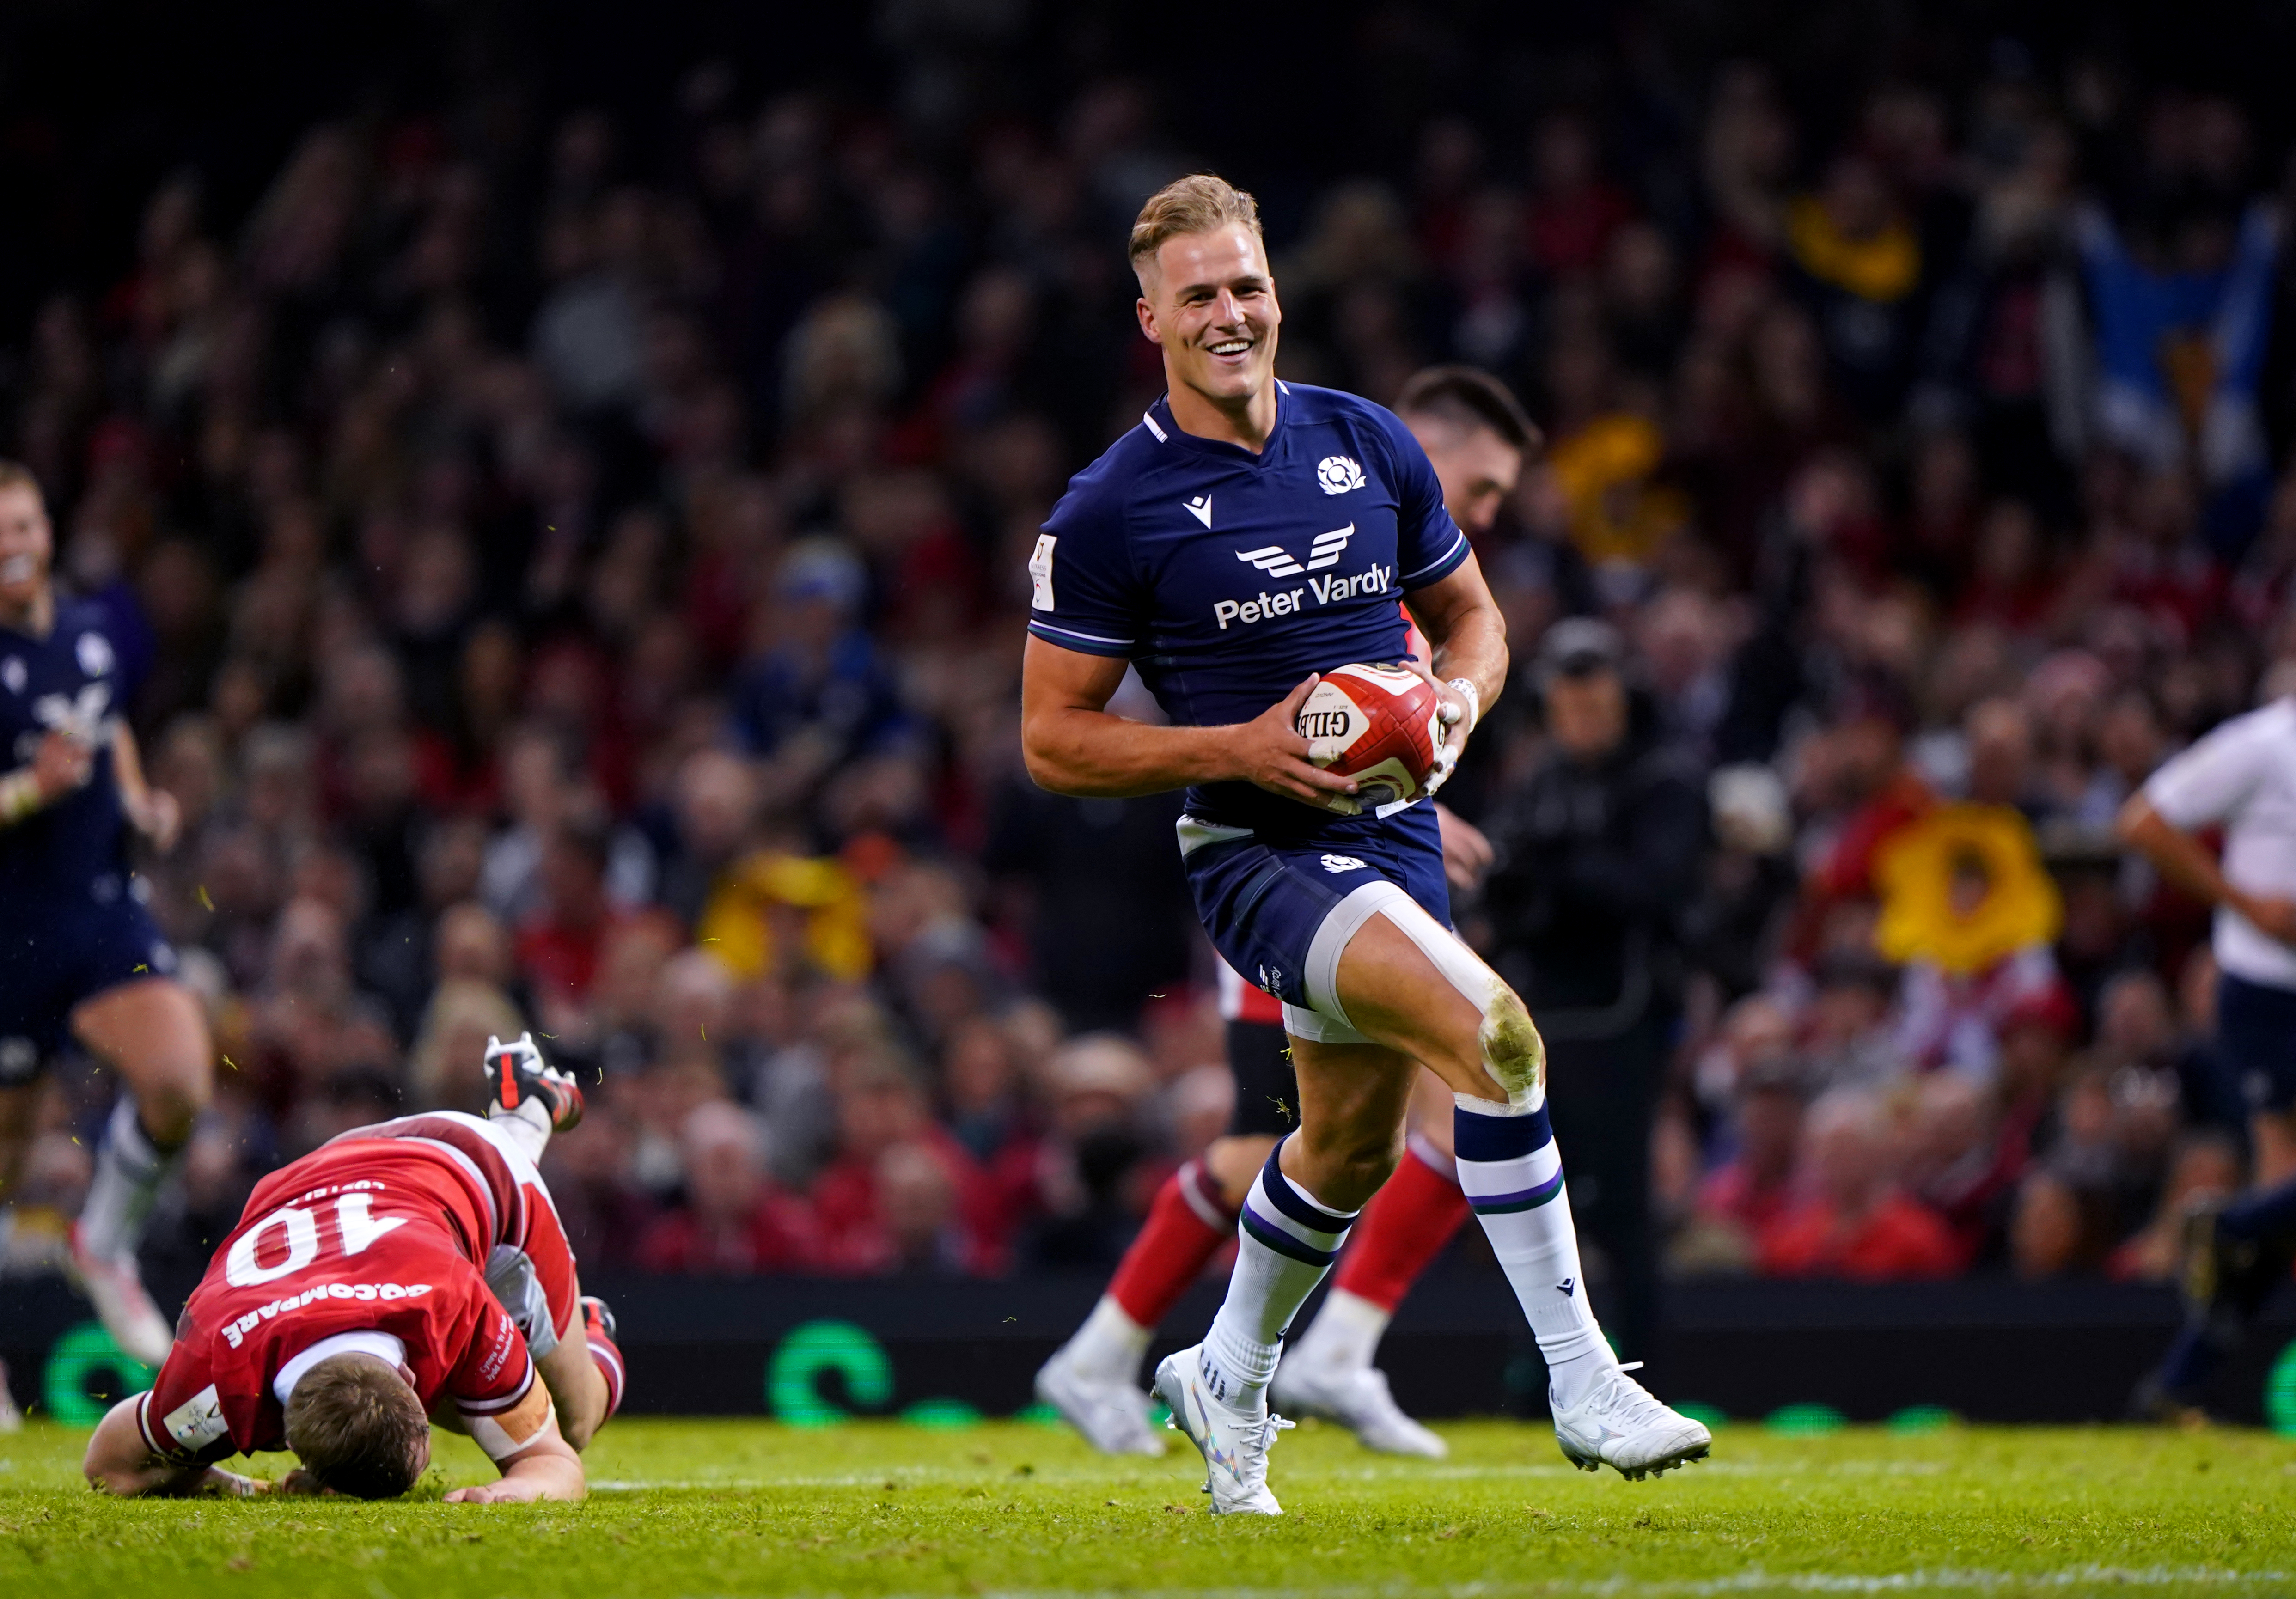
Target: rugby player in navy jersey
[(1476, 435), (79, 955), (1246, 536)]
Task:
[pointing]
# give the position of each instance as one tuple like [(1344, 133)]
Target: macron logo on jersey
[(1200, 508), (1277, 561)]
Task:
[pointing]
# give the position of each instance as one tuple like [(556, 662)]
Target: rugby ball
[(1377, 724)]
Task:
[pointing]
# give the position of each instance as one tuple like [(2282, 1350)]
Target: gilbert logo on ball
[(1377, 724)]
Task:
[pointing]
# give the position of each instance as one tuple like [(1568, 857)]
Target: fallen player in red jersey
[(401, 1273)]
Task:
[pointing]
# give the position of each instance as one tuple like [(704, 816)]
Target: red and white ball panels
[(1377, 724)]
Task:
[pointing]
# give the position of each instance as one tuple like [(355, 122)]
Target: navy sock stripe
[(1286, 1198), (1480, 1137), (1276, 1238), (1522, 1199)]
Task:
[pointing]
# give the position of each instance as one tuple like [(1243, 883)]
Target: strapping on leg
[(1512, 1051)]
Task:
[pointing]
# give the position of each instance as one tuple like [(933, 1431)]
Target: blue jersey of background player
[(1227, 576), (73, 850), (79, 955)]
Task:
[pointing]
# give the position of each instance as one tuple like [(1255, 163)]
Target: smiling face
[(27, 545), (1208, 300)]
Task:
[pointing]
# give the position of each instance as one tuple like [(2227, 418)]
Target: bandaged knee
[(1512, 1051)]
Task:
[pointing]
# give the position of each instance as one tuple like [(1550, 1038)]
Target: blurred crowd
[(584, 593)]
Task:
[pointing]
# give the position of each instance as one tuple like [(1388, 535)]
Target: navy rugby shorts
[(67, 947), (1281, 914), (2256, 1036)]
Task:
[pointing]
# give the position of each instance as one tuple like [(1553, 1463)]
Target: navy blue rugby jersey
[(1226, 577), (69, 680)]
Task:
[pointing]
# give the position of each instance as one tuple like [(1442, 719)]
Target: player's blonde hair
[(357, 1428), (1195, 204), (16, 474)]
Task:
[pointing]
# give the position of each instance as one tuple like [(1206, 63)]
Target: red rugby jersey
[(385, 1230)]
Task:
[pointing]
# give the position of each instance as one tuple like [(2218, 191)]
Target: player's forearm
[(551, 1472), (1092, 755), (1475, 649), (128, 769), (120, 1463), (1467, 630), (545, 1477), (2176, 855)]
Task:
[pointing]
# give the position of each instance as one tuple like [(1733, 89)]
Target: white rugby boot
[(1619, 1423), (1233, 1441), (1111, 1414), (115, 1287), (11, 1418), (1356, 1397)]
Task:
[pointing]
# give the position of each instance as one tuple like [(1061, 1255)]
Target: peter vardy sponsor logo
[(1287, 602)]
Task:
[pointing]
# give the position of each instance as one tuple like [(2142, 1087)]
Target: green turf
[(737, 1507)]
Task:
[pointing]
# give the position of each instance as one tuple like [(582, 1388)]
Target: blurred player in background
[(1475, 435), (2241, 777), (80, 958), (401, 1272), (1186, 549)]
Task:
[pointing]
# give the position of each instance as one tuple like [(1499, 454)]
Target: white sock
[(528, 1124), (1345, 1334), (1110, 1345), (129, 1169), (1285, 1242), (1511, 1174)]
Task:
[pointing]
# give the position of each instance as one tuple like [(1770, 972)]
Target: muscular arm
[(2180, 858), (120, 1463), (1073, 746), (152, 811), (1463, 623)]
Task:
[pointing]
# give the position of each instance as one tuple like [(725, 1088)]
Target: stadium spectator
[(1855, 1221)]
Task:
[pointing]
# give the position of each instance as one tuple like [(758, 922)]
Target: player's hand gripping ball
[(1378, 725)]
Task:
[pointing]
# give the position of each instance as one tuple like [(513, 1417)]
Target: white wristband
[(1473, 697)]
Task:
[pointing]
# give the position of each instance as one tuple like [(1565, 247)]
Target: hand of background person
[(62, 765), (1467, 854), (158, 818)]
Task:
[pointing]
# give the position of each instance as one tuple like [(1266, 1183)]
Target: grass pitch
[(738, 1507)]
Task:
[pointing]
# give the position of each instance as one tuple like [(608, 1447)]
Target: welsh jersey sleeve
[(494, 1387), (1082, 595), (1428, 546), (182, 1414)]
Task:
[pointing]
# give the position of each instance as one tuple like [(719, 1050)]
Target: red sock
[(1404, 1226), (1186, 1224), (606, 1353)]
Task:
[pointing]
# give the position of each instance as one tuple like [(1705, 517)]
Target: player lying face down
[(402, 1274)]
